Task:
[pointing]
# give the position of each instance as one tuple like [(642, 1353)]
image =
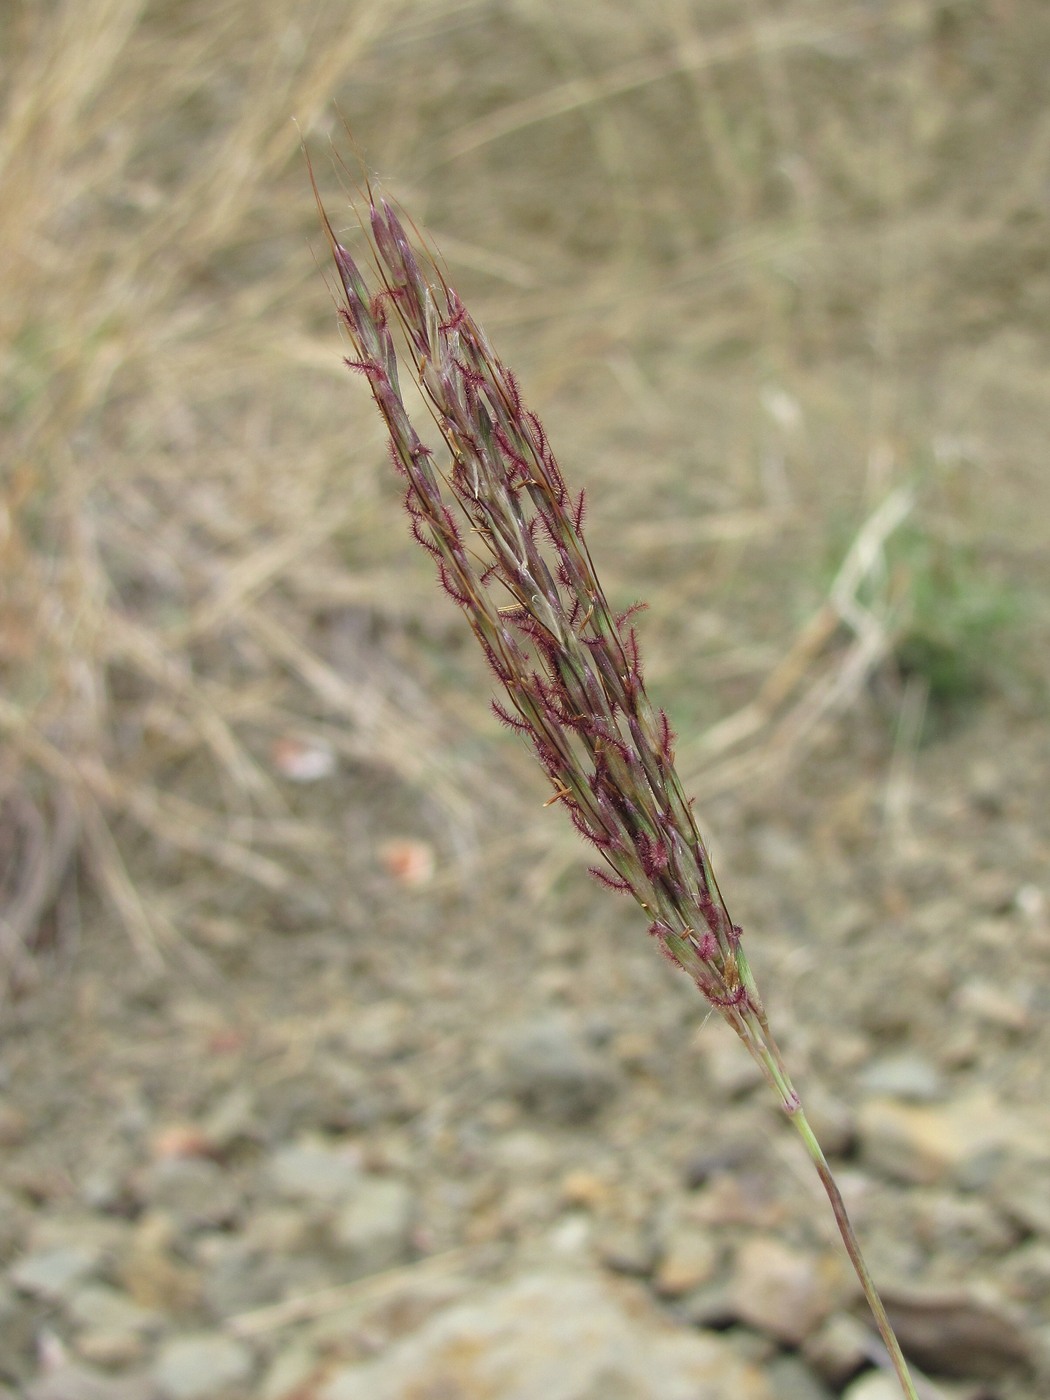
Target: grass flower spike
[(506, 534)]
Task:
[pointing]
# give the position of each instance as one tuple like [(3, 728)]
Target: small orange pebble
[(177, 1140), (301, 761), (409, 862), (584, 1188)]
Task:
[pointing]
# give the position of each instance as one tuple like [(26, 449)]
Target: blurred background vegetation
[(762, 268)]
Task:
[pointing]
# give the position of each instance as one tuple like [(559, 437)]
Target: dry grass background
[(775, 276)]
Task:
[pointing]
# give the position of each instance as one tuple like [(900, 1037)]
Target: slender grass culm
[(506, 535)]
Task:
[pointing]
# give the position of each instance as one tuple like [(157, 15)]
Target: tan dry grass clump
[(145, 506)]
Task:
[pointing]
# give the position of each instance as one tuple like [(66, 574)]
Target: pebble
[(839, 1348), (373, 1229), (151, 1272), (14, 1126), (99, 1305), (53, 1273), (923, 1144), (195, 1192), (784, 1292), (873, 1385), (69, 1381), (200, 1366), (111, 1349), (314, 1170), (570, 1335), (730, 1071), (1021, 1189), (549, 1067), (791, 1379), (689, 1258), (832, 1119), (232, 1120), (960, 1333), (289, 1372), (910, 1077)]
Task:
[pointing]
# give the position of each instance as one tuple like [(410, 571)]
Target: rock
[(909, 1076), (110, 1349), (791, 1379), (151, 1273), (232, 1120), (374, 1228), (990, 1004), (839, 1348), (958, 1332), (730, 1071), (785, 1292), (873, 1385), (179, 1140), (98, 1305), (569, 1335), (314, 1170), (54, 1273), (1028, 1272), (195, 1192), (690, 1261), (689, 1254), (964, 1141), (626, 1248), (718, 1159), (549, 1068), (738, 1198), (831, 1119), (200, 1366), (290, 1371), (1020, 1190), (14, 1126), (68, 1381)]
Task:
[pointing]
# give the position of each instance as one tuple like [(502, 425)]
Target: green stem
[(753, 1029), (849, 1239)]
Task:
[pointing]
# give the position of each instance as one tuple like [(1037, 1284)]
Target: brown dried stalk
[(506, 535)]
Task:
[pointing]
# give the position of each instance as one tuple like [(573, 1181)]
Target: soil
[(440, 998)]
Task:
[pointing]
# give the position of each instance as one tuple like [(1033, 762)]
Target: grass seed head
[(507, 538)]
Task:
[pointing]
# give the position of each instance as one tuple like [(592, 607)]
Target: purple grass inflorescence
[(506, 535)]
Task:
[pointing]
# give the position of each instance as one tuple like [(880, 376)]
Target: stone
[(289, 1372), (110, 1348), (873, 1385), (958, 1332), (71, 1381), (910, 1077), (201, 1365), (690, 1259), (152, 1274), (786, 1293), (98, 1305), (832, 1120), (54, 1273), (1021, 1192), (314, 1170), (839, 1348), (791, 1379), (562, 1335), (626, 1247), (373, 1229), (14, 1126), (923, 1145), (195, 1192), (730, 1071), (232, 1120), (549, 1067)]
